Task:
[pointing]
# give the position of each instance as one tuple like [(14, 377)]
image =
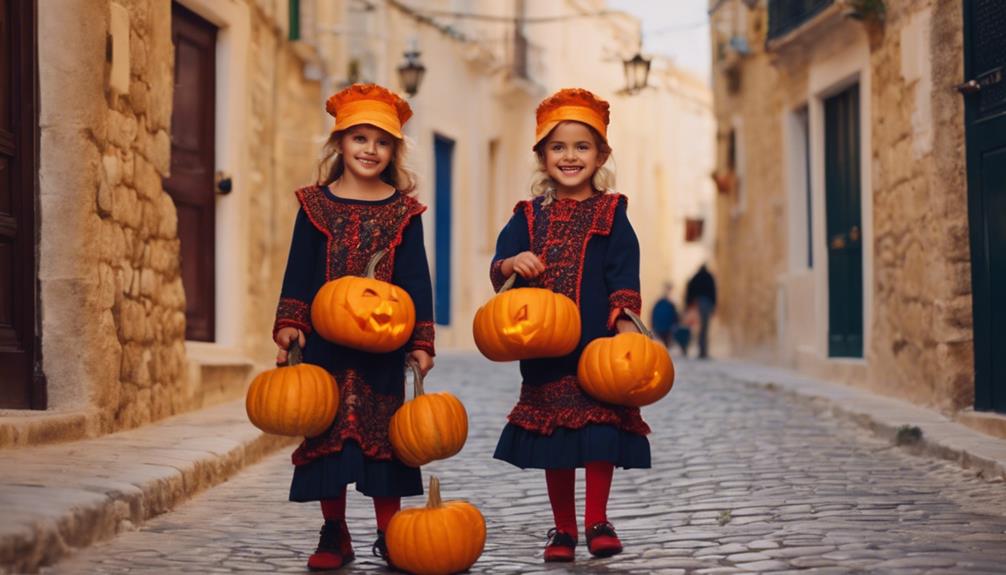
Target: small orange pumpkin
[(526, 323), (363, 312), (299, 399), (429, 427), (443, 537), (631, 369)]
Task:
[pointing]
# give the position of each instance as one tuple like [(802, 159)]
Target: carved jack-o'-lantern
[(363, 312), (630, 369), (526, 323)]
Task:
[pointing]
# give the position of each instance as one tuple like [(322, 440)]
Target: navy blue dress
[(334, 237), (591, 255)]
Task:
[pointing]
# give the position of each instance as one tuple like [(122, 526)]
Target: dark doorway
[(985, 118), (844, 224), (21, 383), (191, 184)]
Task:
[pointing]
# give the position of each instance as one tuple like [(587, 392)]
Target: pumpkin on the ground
[(299, 399), (429, 427), (526, 323), (443, 537), (630, 369), (364, 313)]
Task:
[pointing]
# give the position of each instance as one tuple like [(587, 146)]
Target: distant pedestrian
[(573, 238), (666, 321), (701, 296), (361, 204)]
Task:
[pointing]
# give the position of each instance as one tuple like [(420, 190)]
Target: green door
[(844, 224), (985, 118)]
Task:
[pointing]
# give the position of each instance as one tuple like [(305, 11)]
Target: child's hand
[(623, 325), (284, 337), (526, 264), (422, 359)]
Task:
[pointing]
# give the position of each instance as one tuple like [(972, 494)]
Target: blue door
[(842, 203), (985, 121), (443, 158)]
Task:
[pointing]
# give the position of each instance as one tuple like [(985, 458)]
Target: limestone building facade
[(844, 242)]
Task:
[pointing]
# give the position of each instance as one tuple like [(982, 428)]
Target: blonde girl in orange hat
[(573, 237), (361, 204)]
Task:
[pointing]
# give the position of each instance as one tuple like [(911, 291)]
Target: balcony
[(785, 16)]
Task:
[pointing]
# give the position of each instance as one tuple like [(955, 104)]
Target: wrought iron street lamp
[(637, 70), (410, 73)]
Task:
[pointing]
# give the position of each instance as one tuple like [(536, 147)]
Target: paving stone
[(807, 492)]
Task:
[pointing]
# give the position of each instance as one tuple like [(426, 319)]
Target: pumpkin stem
[(508, 283), (417, 378), (434, 501), (294, 356), (639, 323), (371, 269)]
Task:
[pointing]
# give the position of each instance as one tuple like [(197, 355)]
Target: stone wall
[(750, 252), (922, 330), (112, 303)]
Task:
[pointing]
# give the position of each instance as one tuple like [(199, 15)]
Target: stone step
[(217, 374), (57, 498)]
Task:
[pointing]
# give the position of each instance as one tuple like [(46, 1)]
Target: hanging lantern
[(410, 73), (637, 71)]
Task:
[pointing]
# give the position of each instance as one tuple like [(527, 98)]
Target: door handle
[(223, 183), (969, 87), (837, 242), (854, 234)]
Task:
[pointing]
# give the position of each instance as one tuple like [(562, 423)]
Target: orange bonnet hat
[(369, 104), (574, 104)]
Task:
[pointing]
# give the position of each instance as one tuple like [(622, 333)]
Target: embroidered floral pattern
[(363, 416), (422, 337), (560, 232), (496, 275), (562, 403), (292, 313), (623, 299), (356, 232)]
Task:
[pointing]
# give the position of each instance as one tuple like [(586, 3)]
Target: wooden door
[(21, 382), (844, 224), (191, 184), (985, 120)]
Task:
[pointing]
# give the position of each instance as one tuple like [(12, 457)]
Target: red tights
[(384, 508), (560, 484)]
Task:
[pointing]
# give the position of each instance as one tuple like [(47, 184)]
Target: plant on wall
[(871, 10)]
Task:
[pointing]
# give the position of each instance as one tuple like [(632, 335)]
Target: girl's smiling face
[(571, 157), (366, 150)]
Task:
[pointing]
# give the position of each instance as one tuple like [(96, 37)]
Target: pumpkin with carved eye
[(363, 312), (630, 369), (526, 323)]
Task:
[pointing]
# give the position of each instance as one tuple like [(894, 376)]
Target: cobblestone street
[(744, 480)]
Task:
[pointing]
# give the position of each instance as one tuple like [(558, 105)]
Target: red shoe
[(602, 540), (335, 548), (561, 547)]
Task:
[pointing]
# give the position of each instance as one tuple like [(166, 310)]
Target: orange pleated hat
[(369, 104), (574, 104)]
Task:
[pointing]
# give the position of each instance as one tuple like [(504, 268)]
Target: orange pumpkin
[(443, 537), (363, 312), (299, 399), (631, 369), (526, 323), (430, 427)]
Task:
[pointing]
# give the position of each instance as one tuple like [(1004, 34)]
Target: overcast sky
[(678, 29)]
